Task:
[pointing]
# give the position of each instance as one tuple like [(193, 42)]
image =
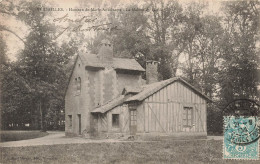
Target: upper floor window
[(78, 85)]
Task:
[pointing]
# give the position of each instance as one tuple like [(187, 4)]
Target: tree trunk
[(42, 112)]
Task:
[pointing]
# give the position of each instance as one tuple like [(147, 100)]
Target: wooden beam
[(156, 118), (199, 116)]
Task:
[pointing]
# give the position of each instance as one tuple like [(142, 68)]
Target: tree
[(188, 34), (39, 76), (145, 34), (130, 38), (3, 69), (204, 52), (239, 78), (165, 17)]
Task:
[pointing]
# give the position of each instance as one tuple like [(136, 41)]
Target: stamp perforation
[(239, 149)]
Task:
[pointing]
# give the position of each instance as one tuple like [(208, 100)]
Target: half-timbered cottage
[(172, 106), (106, 96)]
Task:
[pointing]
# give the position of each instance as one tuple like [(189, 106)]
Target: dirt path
[(53, 138)]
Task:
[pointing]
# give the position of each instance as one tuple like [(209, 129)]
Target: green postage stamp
[(241, 135)]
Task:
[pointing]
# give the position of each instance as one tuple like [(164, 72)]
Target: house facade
[(96, 79), (106, 95)]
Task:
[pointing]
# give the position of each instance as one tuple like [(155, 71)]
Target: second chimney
[(151, 71)]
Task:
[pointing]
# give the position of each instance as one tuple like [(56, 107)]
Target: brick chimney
[(106, 51), (151, 71)]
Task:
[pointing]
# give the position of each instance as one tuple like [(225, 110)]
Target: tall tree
[(239, 78), (189, 33), (39, 75), (165, 17), (129, 39)]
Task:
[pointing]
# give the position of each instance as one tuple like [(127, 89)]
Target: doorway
[(79, 118), (133, 122)]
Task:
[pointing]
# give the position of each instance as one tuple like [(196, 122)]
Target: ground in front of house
[(165, 151)]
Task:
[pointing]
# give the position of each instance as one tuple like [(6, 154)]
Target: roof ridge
[(155, 87), (93, 60)]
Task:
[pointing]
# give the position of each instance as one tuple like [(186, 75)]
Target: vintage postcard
[(129, 81)]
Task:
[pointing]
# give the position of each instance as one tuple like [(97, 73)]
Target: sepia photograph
[(129, 81)]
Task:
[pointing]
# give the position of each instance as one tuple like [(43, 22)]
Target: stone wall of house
[(97, 88), (76, 103), (124, 80), (108, 85)]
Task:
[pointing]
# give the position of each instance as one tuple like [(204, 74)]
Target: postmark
[(241, 130), (241, 137)]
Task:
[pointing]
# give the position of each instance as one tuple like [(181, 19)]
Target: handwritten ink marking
[(66, 18), (65, 29), (60, 19), (79, 28)]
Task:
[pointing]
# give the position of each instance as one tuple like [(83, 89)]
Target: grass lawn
[(167, 151), (13, 135)]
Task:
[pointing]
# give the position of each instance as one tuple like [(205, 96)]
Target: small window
[(115, 120), (76, 83), (70, 121), (79, 85), (187, 116)]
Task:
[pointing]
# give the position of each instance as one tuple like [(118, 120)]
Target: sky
[(14, 45)]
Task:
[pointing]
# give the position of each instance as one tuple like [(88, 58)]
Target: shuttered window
[(187, 116)]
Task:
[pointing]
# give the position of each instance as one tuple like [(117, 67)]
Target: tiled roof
[(149, 89), (109, 105), (144, 92), (154, 87), (93, 60)]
